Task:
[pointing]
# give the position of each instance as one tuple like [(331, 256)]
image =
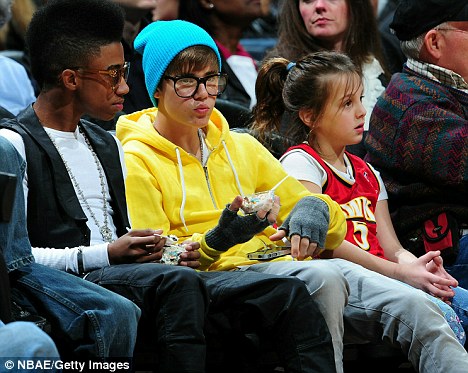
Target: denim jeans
[(459, 269), (361, 306), (459, 304), (14, 241), (25, 341), (87, 321)]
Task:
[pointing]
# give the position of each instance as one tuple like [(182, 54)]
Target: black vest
[(55, 217)]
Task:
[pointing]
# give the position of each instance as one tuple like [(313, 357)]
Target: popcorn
[(171, 254), (258, 201)]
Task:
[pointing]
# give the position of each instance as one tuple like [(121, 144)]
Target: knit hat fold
[(161, 41)]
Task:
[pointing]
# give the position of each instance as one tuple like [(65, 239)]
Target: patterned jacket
[(418, 140)]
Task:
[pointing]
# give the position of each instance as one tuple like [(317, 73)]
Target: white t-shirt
[(245, 71), (79, 158), (373, 87), (303, 166)]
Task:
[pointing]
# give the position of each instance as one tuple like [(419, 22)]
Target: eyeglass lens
[(117, 74), (187, 86)]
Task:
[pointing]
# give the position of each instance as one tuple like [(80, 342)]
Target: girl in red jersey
[(322, 97)]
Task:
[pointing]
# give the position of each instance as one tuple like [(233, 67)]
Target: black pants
[(243, 312), (254, 315), (173, 301)]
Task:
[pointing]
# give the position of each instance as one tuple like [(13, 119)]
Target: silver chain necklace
[(104, 229), (200, 137)]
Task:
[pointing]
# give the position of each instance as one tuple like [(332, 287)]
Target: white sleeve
[(303, 166), (383, 191), (94, 257)]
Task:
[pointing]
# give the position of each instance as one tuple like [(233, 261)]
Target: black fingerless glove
[(309, 218), (233, 229)]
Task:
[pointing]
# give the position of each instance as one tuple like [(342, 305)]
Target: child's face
[(190, 112), (342, 121)]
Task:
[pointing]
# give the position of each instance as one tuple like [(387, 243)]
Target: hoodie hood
[(139, 126), (136, 129)]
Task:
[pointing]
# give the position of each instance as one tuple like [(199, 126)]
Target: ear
[(307, 117), (69, 79), (157, 94), (433, 44)]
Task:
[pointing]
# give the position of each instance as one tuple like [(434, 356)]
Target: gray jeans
[(363, 306)]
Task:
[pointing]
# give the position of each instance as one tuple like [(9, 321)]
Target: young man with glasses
[(418, 136), (77, 213), (76, 310), (184, 166)]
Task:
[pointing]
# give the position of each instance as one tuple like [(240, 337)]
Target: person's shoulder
[(414, 90), (355, 159), (296, 153), (247, 143), (5, 114), (8, 119), (406, 86), (9, 66), (98, 133)]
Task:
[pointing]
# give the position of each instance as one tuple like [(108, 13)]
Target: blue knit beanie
[(161, 41)]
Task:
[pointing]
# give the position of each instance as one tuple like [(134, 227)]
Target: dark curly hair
[(67, 33)]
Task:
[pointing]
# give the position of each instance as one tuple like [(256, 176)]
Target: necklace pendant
[(106, 234)]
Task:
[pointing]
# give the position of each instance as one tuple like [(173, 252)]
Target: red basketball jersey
[(358, 200)]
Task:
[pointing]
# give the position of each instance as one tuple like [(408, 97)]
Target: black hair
[(67, 33)]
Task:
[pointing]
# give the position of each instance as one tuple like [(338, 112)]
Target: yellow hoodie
[(169, 189)]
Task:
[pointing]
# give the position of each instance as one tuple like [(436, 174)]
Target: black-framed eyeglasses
[(115, 73), (186, 86)]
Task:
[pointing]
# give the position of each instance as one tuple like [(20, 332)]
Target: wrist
[(217, 240), (95, 257), (398, 272)]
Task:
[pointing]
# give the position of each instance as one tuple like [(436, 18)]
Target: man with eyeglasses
[(77, 213), (76, 310), (418, 134), (184, 166), (75, 197)]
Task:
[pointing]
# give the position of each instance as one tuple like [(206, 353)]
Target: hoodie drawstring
[(233, 170)]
